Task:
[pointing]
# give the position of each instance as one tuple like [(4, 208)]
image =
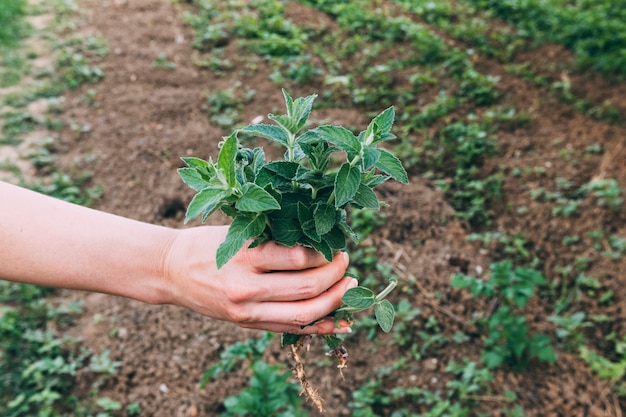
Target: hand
[(270, 287)]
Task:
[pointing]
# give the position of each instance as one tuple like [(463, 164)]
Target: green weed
[(507, 337)]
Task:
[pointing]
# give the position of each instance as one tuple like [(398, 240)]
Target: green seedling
[(301, 199)]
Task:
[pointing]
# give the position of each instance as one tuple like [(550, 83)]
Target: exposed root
[(298, 372)]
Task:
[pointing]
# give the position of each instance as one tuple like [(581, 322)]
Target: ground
[(144, 118)]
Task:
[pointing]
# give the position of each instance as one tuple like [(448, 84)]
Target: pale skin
[(49, 242)]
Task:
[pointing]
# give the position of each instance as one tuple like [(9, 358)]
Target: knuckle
[(304, 318), (298, 257), (239, 314)]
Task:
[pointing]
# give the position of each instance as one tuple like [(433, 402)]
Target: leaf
[(322, 247), (285, 169), (384, 121), (391, 165), (310, 231), (206, 201), (346, 184), (226, 159), (341, 137), (287, 231), (193, 162), (193, 179), (333, 342), (285, 122), (325, 218), (359, 297), (271, 132), (345, 228), (365, 197), (256, 199), (241, 229), (289, 339), (335, 239), (371, 155), (299, 109), (385, 314)]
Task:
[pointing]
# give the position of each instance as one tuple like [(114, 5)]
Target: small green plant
[(162, 61), (507, 336), (269, 394), (302, 199)]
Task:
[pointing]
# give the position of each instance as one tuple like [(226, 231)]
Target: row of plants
[(38, 360), (451, 153)]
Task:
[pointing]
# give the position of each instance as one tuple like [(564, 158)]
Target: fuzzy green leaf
[(227, 157), (321, 246), (299, 109), (346, 184), (287, 231), (206, 201), (241, 229), (256, 199), (341, 137), (289, 339), (359, 297), (335, 239), (365, 197), (385, 314), (285, 169), (392, 166), (371, 155), (193, 179), (193, 162), (384, 121), (271, 132), (325, 218), (308, 227)]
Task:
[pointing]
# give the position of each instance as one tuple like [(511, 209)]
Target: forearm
[(50, 242)]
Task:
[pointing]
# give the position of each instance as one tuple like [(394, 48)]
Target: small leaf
[(346, 184), (335, 239), (226, 159), (241, 229), (365, 197), (384, 121), (385, 315), (193, 179), (285, 169), (193, 162), (322, 247), (299, 109), (206, 201), (287, 231), (359, 297), (256, 199), (310, 231), (391, 165), (325, 218), (270, 132), (371, 155), (333, 342), (341, 137), (289, 339)]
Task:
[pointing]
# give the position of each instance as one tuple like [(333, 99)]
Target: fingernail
[(346, 258), (342, 330), (353, 283)]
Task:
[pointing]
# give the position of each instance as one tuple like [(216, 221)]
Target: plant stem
[(393, 282)]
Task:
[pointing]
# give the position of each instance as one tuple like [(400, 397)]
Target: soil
[(145, 118)]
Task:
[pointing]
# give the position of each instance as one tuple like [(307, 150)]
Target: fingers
[(291, 317), (274, 257), (296, 285)]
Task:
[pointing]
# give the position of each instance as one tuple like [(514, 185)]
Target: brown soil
[(145, 118)]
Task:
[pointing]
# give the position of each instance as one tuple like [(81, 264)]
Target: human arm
[(49, 242)]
